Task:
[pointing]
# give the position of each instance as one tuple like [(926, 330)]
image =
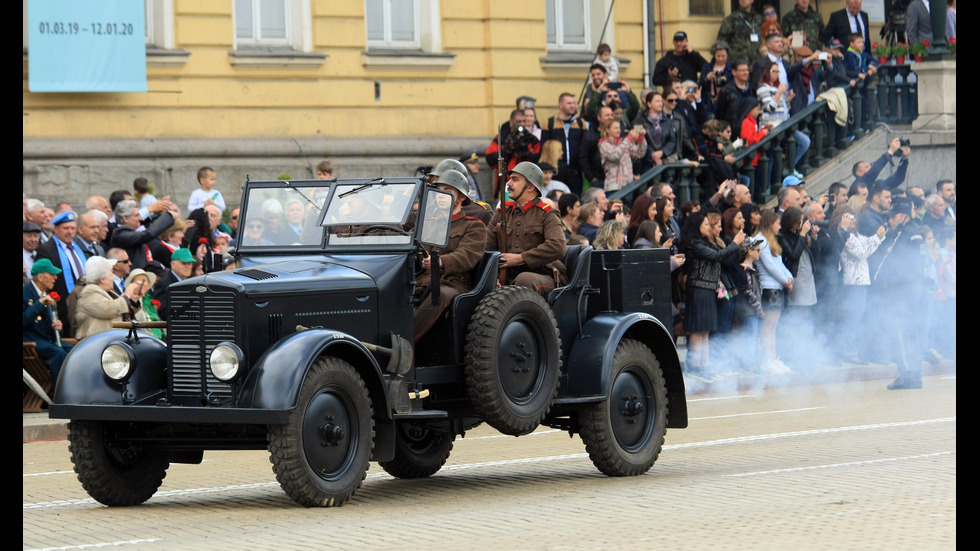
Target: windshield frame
[(317, 196)]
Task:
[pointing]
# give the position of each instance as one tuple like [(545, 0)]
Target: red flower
[(952, 40), (926, 43), (156, 303), (54, 296)]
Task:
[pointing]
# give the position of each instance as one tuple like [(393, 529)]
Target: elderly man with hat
[(805, 77), (181, 267), (682, 63), (40, 321), (65, 253), (32, 240), (528, 233)]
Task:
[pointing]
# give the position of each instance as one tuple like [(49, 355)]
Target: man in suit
[(127, 235), (846, 21), (66, 255), (918, 21), (87, 235), (39, 325)]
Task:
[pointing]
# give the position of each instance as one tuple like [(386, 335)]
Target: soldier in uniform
[(473, 208), (528, 233), (742, 30), (803, 18), (467, 237), (39, 324)]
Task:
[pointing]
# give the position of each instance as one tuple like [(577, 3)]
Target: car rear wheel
[(624, 434), (420, 451)]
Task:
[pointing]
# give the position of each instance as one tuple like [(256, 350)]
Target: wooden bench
[(39, 371)]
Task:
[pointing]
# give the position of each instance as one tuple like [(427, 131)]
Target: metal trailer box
[(631, 280)]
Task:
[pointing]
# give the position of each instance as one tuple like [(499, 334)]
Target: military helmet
[(448, 164), (453, 178), (533, 174)]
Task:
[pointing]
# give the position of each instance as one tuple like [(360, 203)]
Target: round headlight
[(118, 361), (226, 359)]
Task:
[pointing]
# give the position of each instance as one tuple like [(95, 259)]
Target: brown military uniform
[(535, 231), (467, 238)]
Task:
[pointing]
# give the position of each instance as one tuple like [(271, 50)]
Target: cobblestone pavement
[(837, 465)]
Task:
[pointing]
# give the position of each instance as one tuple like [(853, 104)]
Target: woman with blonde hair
[(776, 281), (553, 153), (611, 235)]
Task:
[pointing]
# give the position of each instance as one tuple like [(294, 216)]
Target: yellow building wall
[(498, 46)]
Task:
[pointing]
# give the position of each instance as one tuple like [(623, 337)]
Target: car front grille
[(200, 318)]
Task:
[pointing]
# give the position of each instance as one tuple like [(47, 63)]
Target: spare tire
[(513, 359)]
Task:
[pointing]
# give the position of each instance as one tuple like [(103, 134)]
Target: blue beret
[(67, 216)]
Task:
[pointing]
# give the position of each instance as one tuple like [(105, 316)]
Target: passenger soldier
[(528, 233)]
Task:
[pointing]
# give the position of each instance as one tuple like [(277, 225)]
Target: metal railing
[(895, 97)]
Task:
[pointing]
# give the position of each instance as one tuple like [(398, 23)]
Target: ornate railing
[(896, 99)]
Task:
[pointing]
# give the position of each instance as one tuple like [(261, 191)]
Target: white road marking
[(752, 413), (97, 545), (576, 456), (838, 465)]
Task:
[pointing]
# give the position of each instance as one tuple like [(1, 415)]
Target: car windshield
[(358, 212)]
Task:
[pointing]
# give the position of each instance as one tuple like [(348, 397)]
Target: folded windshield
[(357, 212)]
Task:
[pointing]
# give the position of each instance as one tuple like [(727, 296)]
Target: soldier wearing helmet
[(528, 233), (467, 237), (472, 207)]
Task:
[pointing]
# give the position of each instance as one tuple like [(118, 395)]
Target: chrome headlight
[(118, 361), (226, 360)]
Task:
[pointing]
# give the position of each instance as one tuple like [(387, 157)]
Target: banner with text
[(86, 46)]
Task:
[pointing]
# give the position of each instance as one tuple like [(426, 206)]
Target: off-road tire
[(113, 471), (625, 433), (419, 451), (513, 359), (321, 455)]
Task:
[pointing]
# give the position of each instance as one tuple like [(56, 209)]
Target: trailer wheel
[(419, 451), (321, 455), (513, 357), (624, 434), (114, 471)]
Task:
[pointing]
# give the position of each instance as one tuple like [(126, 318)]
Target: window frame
[(555, 9), (386, 43)]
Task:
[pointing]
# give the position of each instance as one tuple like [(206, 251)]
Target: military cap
[(67, 216)]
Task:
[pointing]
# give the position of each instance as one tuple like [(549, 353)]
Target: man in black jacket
[(731, 95), (569, 129), (683, 62), (137, 243)]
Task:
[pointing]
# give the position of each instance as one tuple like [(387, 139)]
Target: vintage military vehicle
[(305, 349)]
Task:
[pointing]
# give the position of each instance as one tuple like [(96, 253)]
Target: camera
[(691, 89), (823, 56), (904, 142), (520, 129), (614, 85)]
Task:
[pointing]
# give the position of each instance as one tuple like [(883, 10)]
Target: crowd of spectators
[(756, 282), (773, 290)]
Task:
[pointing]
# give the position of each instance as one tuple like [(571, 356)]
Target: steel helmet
[(449, 164), (533, 174), (453, 178)]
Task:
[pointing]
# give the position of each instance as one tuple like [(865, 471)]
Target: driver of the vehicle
[(467, 237)]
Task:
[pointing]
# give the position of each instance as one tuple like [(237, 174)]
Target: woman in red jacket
[(751, 134)]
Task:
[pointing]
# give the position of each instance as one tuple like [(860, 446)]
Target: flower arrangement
[(900, 50), (919, 48), (952, 46), (880, 50)]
